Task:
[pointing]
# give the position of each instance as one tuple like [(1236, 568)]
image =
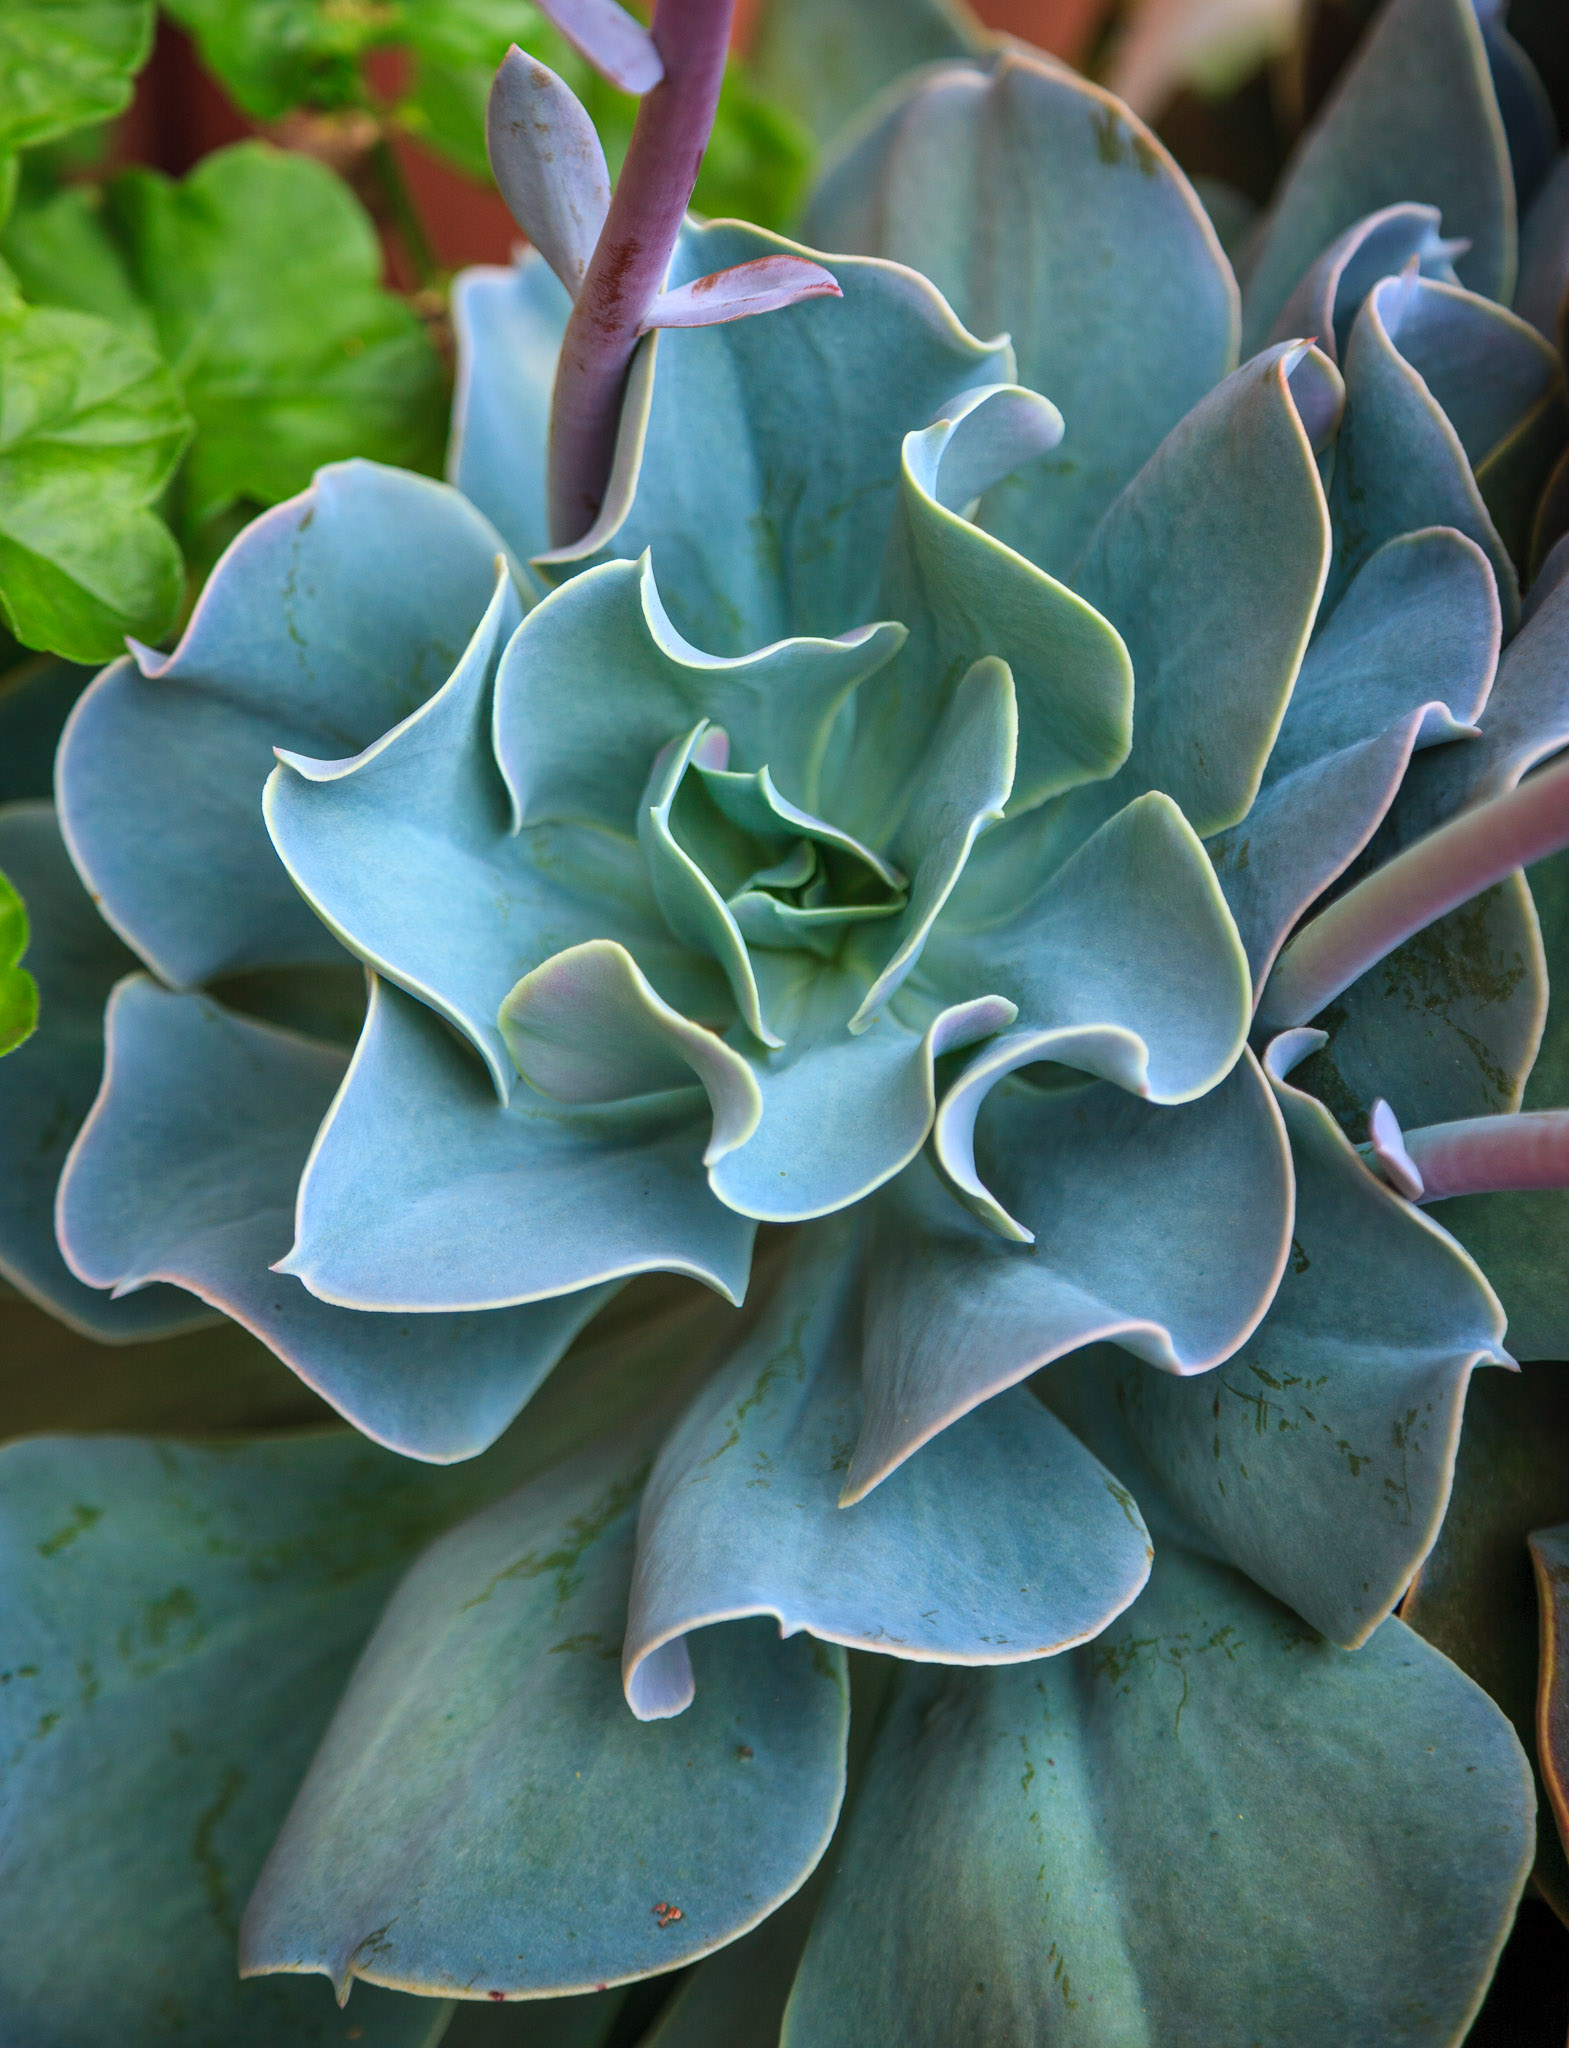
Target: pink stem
[(1489, 1155), (1447, 868), (627, 270)]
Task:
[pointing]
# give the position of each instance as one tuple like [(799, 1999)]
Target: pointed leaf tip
[(766, 285), (548, 163), (1388, 1147), (617, 45)]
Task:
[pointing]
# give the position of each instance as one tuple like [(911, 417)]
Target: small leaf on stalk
[(613, 41), (548, 163), (763, 286)]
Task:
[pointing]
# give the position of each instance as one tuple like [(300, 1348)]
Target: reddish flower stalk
[(1483, 1155), (627, 270), (1436, 875)]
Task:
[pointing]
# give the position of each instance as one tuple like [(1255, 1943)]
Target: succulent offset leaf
[(491, 1690), (423, 1192), (1005, 1542), (1415, 117), (761, 526), (1318, 1459), (186, 1171), (1020, 1829), (612, 40), (47, 1085), (1163, 1228), (548, 163), (329, 619)]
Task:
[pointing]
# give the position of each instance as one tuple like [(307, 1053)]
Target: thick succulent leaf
[(186, 1171), (1208, 1825), (1484, 366), (1399, 464), (825, 61), (1473, 1597), (1125, 964), (177, 1625), (1406, 660), (47, 1086), (1526, 720), (262, 273), (1326, 300), (570, 753), (1521, 1241), (1530, 124), (328, 620), (481, 905), (1318, 1459), (760, 460), (1004, 1541), (843, 1111), (765, 285), (64, 65), (964, 596), (548, 163), (1045, 210), (737, 1998), (1544, 256), (484, 1785), (1210, 565), (959, 792), (18, 989), (612, 40), (93, 428), (423, 1192), (1447, 1025), (1165, 1229), (586, 1027), (508, 325), (1550, 1556), (1413, 118)]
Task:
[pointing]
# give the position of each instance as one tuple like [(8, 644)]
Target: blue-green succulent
[(1031, 747)]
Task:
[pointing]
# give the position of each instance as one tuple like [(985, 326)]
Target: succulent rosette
[(1003, 843)]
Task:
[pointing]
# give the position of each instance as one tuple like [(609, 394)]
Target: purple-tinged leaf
[(613, 41), (1436, 875), (548, 163), (1388, 1147), (762, 286)]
